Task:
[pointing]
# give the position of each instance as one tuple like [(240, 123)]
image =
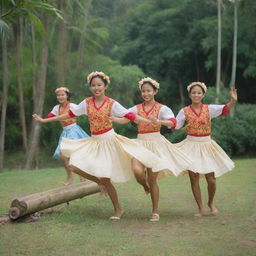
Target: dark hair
[(147, 82), (194, 86), (103, 80), (69, 94)]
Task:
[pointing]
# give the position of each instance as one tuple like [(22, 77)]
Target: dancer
[(208, 157), (108, 155), (150, 137), (70, 129)]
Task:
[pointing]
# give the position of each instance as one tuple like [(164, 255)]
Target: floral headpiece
[(155, 84), (65, 89), (97, 73), (202, 85)]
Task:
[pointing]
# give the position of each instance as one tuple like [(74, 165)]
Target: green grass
[(83, 228)]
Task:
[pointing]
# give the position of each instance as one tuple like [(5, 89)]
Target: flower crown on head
[(97, 73), (155, 84), (202, 85), (65, 89)]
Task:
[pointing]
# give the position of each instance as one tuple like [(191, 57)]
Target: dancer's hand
[(233, 94), (38, 118), (154, 120)]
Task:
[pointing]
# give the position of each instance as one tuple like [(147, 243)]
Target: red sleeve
[(225, 110), (174, 122), (71, 114), (49, 115), (131, 116)]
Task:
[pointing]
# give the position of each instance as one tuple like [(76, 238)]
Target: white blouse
[(117, 109), (214, 111), (165, 112), (56, 108)]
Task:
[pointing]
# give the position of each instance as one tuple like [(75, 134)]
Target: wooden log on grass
[(43, 200)]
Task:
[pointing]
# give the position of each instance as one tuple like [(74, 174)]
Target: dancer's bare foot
[(199, 214), (68, 181), (214, 211)]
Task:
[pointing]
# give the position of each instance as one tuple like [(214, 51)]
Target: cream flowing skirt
[(171, 156), (108, 155), (207, 155)]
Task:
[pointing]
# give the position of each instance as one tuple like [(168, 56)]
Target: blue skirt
[(73, 132)]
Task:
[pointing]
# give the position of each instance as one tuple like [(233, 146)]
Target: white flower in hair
[(97, 73), (149, 80), (65, 89), (202, 85)]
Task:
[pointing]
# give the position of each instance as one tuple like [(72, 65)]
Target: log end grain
[(14, 213)]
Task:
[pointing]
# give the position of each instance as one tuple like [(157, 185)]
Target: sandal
[(155, 217), (116, 217)]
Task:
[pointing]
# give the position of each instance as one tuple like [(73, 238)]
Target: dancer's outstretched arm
[(124, 120), (167, 123), (52, 119), (233, 100)]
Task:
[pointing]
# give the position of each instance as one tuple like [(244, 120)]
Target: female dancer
[(149, 136), (70, 129), (209, 158)]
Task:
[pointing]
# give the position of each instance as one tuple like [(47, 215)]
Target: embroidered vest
[(68, 121), (153, 112), (198, 124), (99, 117)]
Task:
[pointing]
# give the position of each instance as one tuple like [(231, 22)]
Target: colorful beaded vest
[(99, 116), (153, 112), (198, 124), (68, 121)]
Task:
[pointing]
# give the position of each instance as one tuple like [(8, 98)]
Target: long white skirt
[(108, 155), (170, 155), (207, 155)]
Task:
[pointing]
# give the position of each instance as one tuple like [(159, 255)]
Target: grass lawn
[(83, 228)]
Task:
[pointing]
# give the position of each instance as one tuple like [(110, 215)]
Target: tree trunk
[(34, 69), (61, 60), (218, 51), (18, 47), (80, 53), (233, 76), (34, 64), (4, 101), (39, 99), (40, 201)]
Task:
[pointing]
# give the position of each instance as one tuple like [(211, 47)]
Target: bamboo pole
[(43, 200)]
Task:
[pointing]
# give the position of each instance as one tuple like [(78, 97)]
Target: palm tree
[(234, 62), (39, 98), (4, 101), (218, 74), (13, 11)]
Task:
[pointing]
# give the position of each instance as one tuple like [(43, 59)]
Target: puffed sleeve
[(218, 110), (119, 111), (133, 110), (54, 112), (166, 113), (78, 110), (180, 118)]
